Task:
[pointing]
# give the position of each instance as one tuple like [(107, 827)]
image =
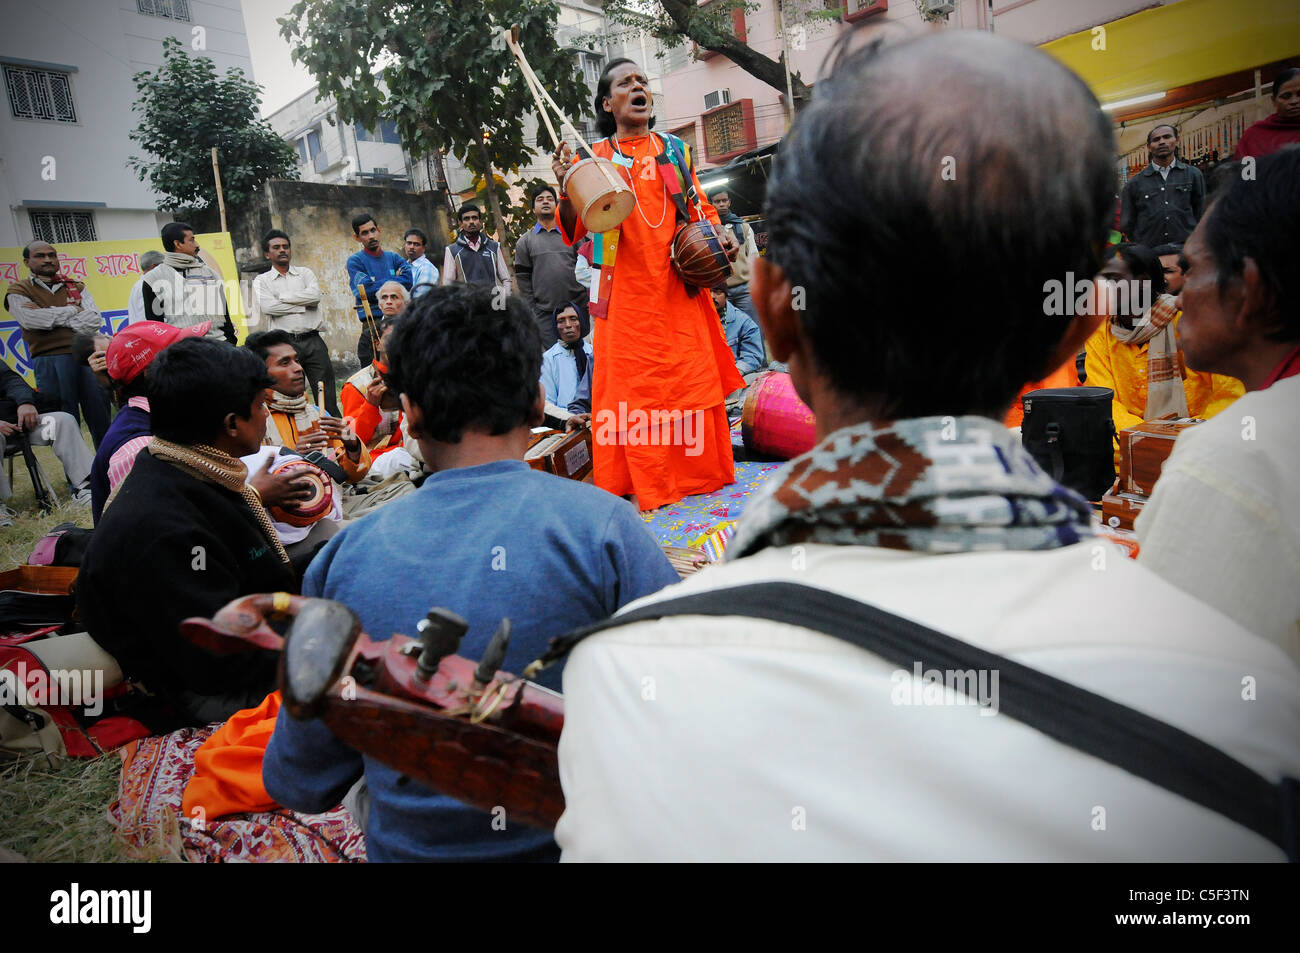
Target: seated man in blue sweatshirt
[(567, 366), (486, 537), (368, 271)]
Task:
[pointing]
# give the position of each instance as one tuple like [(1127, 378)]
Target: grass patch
[(31, 523), (58, 815)]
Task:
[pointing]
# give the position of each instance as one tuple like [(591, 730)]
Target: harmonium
[(1143, 451), (566, 454)]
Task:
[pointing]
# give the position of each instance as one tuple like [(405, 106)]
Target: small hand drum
[(698, 256), (313, 509)]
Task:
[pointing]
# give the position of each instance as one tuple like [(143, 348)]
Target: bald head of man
[(956, 152)]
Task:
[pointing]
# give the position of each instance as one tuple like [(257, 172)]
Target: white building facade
[(64, 127), (338, 153)]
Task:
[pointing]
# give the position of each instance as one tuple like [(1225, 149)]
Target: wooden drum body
[(313, 509), (698, 256), (599, 194), (776, 423)]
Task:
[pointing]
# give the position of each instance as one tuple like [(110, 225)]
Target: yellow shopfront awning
[(1178, 44)]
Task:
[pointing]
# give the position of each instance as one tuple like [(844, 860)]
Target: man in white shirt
[(289, 296), (424, 274), (712, 737), (135, 303), (51, 310), (1224, 520)]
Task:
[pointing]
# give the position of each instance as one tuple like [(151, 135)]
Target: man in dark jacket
[(20, 412), (184, 535), (1164, 201)]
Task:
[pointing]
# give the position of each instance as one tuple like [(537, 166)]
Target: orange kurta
[(660, 355)]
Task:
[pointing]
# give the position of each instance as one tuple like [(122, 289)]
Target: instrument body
[(599, 194), (1143, 450), (487, 743), (698, 256), (565, 454), (313, 509), (775, 422)]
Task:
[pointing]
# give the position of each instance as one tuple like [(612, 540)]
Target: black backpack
[(1071, 433)]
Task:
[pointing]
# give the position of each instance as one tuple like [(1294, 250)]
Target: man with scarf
[(184, 290), (767, 737), (294, 421), (738, 280), (473, 258), (1136, 353), (567, 365), (184, 534)]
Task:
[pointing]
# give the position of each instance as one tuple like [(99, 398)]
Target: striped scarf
[(929, 485), (1165, 373)]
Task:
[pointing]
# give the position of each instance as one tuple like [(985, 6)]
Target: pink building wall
[(1033, 21)]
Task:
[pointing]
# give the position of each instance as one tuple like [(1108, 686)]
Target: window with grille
[(39, 94), (725, 131), (167, 9), (57, 226)]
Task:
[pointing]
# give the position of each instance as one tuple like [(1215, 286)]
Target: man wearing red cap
[(129, 353), (19, 413)]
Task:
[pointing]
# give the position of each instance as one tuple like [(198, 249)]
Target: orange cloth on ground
[(1123, 368), (366, 417), (1067, 375), (660, 350), (228, 767)]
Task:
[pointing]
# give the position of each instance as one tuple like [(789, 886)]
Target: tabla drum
[(775, 422), (313, 509), (697, 255), (599, 194)]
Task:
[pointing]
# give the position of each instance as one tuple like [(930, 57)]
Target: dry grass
[(58, 815), (31, 524)]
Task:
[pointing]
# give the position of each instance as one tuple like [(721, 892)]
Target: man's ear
[(774, 298), (1257, 304), (537, 416), (230, 424), (414, 417)]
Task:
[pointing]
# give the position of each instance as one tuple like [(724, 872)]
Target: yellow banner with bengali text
[(109, 270)]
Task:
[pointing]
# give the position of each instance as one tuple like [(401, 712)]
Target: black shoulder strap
[(1143, 746)]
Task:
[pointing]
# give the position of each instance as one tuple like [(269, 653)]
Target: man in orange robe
[(662, 365)]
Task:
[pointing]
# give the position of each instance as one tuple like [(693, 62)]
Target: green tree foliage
[(186, 109), (710, 27), (439, 70)]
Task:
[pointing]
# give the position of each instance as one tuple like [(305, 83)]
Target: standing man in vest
[(51, 311), (473, 258), (183, 290), (289, 296), (738, 283), (544, 265), (149, 260), (368, 271)]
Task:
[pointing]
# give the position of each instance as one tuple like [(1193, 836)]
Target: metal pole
[(221, 199), (785, 61)]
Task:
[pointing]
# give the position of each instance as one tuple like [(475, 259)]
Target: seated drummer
[(295, 422), (1136, 352), (183, 536), (568, 365), (486, 537), (372, 410)]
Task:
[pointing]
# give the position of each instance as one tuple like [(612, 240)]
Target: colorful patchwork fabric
[(929, 484), (148, 815), (686, 522)]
